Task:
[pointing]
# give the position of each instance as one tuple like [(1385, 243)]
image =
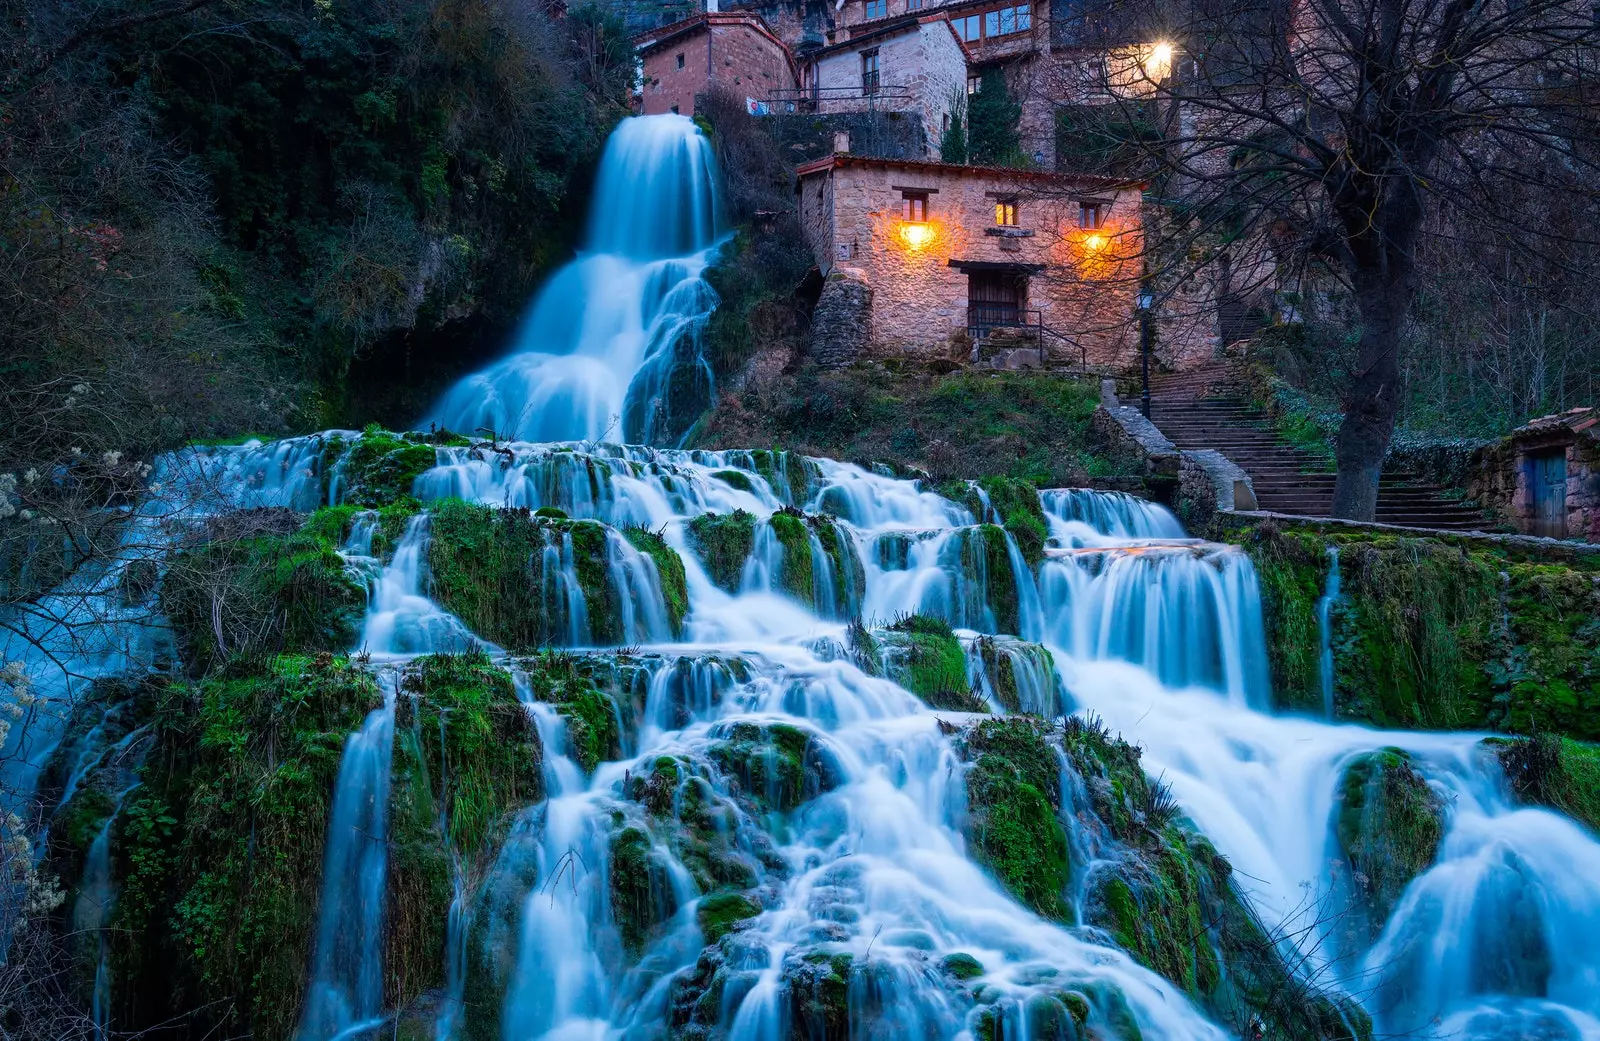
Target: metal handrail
[(847, 93), (977, 331)]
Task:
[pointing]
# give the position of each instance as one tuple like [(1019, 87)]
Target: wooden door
[(1548, 485), (994, 299)]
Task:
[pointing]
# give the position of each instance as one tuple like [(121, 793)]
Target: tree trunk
[(1374, 396)]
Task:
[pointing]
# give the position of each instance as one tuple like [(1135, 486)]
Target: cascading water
[(1325, 604), (595, 355)]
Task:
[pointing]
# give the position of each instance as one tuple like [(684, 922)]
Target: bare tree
[(1331, 143)]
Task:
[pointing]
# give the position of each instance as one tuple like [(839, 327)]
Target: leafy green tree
[(993, 119)]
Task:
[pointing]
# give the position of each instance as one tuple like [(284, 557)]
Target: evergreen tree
[(993, 116)]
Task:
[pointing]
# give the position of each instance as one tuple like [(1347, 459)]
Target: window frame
[(882, 7), (914, 206), (871, 73), (1005, 212), (1091, 215), (680, 59)]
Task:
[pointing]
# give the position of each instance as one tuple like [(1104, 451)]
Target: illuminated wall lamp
[(1094, 243), (916, 234)]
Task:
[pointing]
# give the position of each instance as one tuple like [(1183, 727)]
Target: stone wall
[(1085, 291), (731, 51), (803, 137), (1503, 471), (841, 323)]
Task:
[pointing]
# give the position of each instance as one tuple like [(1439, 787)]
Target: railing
[(985, 318), (806, 99)]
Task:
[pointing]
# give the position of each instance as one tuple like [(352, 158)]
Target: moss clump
[(986, 551), (735, 479), (640, 894), (594, 735), (718, 843), (920, 653), (1015, 504), (796, 577), (489, 568), (1013, 790), (778, 766), (669, 570), (334, 524), (381, 468), (719, 913), (1560, 773), (1022, 676), (818, 982), (849, 576), (961, 966), (1388, 824), (221, 848), (1434, 635), (262, 585), (723, 542)]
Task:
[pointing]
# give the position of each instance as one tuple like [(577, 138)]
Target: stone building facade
[(734, 50), (912, 65), (1544, 479), (969, 263)]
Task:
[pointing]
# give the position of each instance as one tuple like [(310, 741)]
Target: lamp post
[(1145, 301)]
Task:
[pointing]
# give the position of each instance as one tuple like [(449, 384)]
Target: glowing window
[(1005, 213), (914, 206)]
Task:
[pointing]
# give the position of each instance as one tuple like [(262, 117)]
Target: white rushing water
[(594, 355), (1158, 634)]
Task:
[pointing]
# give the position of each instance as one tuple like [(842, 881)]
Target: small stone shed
[(964, 263), (734, 50), (1544, 479)]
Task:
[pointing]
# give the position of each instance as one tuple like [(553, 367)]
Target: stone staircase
[(1206, 407)]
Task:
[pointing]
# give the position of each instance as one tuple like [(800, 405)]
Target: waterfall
[(344, 997), (1330, 596), (401, 619), (600, 343)]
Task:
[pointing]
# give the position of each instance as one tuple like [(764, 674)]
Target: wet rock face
[(1388, 824)]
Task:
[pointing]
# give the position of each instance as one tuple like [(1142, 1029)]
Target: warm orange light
[(916, 234), (1094, 243)]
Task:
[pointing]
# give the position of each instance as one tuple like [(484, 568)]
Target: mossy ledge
[(1388, 824), (1434, 634), (922, 654)]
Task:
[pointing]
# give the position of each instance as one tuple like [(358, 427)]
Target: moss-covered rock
[(1021, 676), (1013, 793), (594, 733), (920, 653), (336, 523), (669, 571), (1559, 773), (489, 567), (1015, 505), (818, 983), (797, 576), (261, 585), (380, 468), (1388, 824), (641, 899), (723, 542), (720, 913), (986, 552), (1434, 634), (778, 766), (220, 850)]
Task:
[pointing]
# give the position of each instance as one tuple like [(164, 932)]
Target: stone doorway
[(1547, 493)]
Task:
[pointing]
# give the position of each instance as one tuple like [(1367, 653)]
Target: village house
[(734, 50), (971, 264), (1544, 479)]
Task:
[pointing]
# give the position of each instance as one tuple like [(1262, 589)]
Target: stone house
[(734, 50), (914, 64), (964, 263), (1544, 479)]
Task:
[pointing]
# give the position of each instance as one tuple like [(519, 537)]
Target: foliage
[(1557, 772), (381, 468), (489, 569), (220, 849), (594, 734), (723, 542), (994, 118), (259, 585), (1388, 825), (1107, 140), (920, 653), (960, 425), (669, 570), (1013, 788), (1431, 634)]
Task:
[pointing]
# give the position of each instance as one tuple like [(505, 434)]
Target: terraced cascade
[(434, 736)]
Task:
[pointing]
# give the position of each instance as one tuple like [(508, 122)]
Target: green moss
[(220, 849), (723, 542), (593, 732), (1016, 504), (669, 569), (1432, 634), (961, 966), (735, 479), (488, 568), (283, 591), (635, 885), (1011, 665), (818, 982), (333, 525), (920, 653), (720, 912), (985, 551), (1560, 773), (1013, 789), (1388, 824), (792, 533), (381, 468), (776, 764)]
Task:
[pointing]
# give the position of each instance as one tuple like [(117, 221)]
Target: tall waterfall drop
[(594, 357)]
